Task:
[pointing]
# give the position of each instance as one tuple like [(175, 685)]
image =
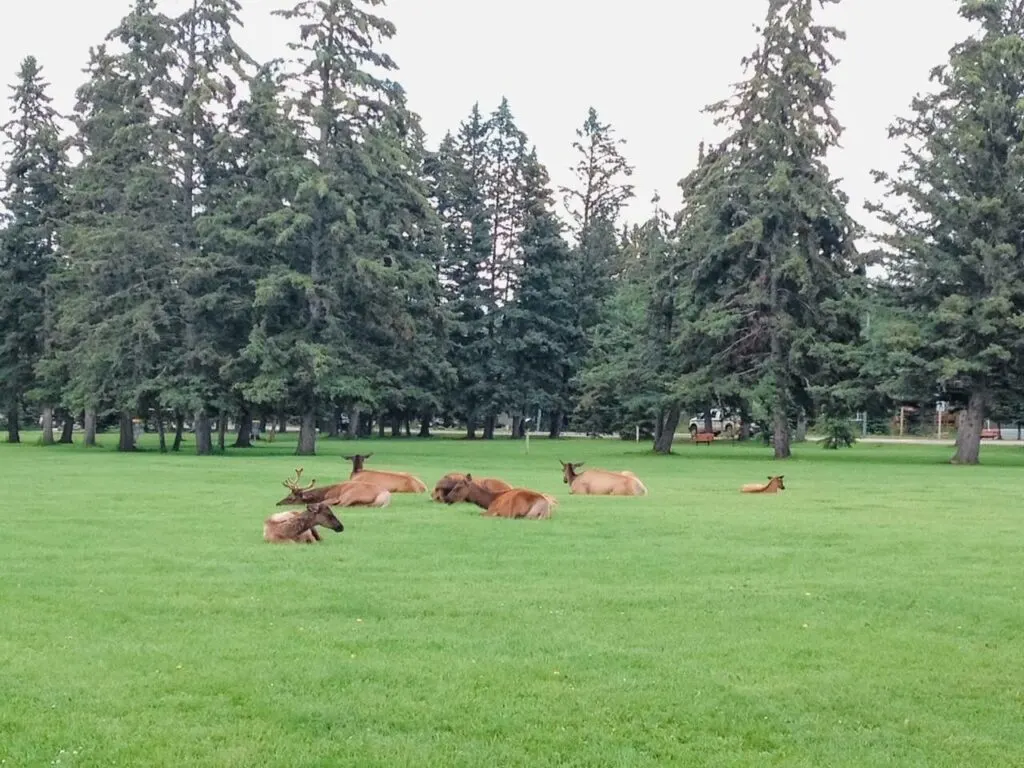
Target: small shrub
[(838, 432)]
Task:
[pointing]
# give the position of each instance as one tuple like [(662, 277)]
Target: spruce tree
[(768, 242), (955, 207), (540, 324), (34, 194), (119, 312)]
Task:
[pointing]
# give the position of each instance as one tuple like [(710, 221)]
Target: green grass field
[(869, 615)]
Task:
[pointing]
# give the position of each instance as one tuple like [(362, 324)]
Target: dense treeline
[(217, 238)]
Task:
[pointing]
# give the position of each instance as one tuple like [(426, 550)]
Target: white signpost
[(940, 408)]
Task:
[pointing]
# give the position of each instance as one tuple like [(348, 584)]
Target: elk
[(513, 503), (601, 482), (396, 482), (774, 485), (447, 482), (300, 526), (351, 493)]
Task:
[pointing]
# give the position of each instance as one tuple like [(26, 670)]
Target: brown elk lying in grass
[(448, 482), (513, 503), (601, 482), (300, 526), (774, 485), (351, 493), (396, 482)]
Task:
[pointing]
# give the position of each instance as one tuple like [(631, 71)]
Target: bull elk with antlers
[(351, 493), (513, 503), (448, 482), (601, 482), (300, 526), (396, 482)]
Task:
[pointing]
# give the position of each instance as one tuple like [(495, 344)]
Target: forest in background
[(209, 237)]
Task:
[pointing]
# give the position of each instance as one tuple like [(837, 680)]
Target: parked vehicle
[(722, 423)]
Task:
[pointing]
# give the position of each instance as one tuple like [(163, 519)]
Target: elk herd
[(494, 496)]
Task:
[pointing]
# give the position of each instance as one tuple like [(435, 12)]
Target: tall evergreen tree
[(540, 324), (205, 69), (34, 194), (119, 315), (768, 240), (594, 202), (955, 208)]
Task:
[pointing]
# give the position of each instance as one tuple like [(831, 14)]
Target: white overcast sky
[(648, 66)]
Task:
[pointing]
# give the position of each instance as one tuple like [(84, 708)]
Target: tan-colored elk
[(350, 493), (300, 525), (774, 485), (601, 482), (396, 482), (513, 503), (448, 482)]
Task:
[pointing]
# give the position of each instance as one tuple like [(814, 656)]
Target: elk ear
[(469, 478), (578, 464), (347, 458)]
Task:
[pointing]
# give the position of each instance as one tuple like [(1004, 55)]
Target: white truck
[(722, 423)]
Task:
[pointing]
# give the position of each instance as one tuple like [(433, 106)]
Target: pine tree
[(540, 330), (594, 203), (459, 173), (312, 345), (768, 241), (34, 195), (955, 208), (206, 67), (119, 306)]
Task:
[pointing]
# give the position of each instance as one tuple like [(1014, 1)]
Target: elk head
[(569, 470), (459, 490), (297, 495), (357, 461), (778, 478), (322, 515)]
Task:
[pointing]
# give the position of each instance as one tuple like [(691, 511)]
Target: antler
[(293, 485)]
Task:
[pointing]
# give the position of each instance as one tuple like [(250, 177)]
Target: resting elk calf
[(774, 485), (448, 482), (513, 503), (396, 482), (300, 526), (601, 482), (351, 493)]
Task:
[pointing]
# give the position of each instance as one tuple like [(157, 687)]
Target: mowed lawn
[(869, 615)]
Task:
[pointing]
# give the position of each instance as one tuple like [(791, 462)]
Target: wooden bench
[(991, 434), (704, 437)]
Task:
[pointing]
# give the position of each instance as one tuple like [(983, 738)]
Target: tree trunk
[(67, 432), (161, 431), (781, 428), (801, 427), (666, 432), (244, 439), (89, 424), (262, 427), (517, 424), (48, 425), (222, 431), (282, 422), (381, 427), (709, 421), (126, 442), (396, 426), (471, 426), (13, 425), (425, 425), (179, 430), (204, 441), (489, 422), (307, 434), (353, 424), (968, 436), (556, 425), (406, 425), (336, 421)]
